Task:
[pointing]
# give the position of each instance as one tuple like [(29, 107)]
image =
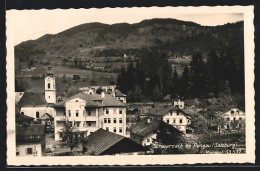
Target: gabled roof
[(46, 116), (89, 101), (101, 140), (143, 128), (32, 99), (20, 118), (119, 93), (29, 133), (227, 108), (163, 110), (94, 100)]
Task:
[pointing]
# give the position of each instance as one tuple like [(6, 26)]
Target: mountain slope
[(170, 35)]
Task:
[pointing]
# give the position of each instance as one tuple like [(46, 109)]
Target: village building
[(120, 96), (30, 140), (88, 113), (21, 119), (37, 104), (103, 142), (145, 132), (178, 102), (171, 115), (233, 114)]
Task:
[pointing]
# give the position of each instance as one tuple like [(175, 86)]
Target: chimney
[(102, 94)]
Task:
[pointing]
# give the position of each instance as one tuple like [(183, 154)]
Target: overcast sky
[(32, 24)]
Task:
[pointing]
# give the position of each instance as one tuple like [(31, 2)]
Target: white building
[(90, 112), (171, 115), (178, 102), (232, 114), (50, 90), (30, 141), (37, 104)]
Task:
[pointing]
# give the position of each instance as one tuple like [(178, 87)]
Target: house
[(178, 102), (171, 115), (164, 101), (145, 131), (30, 140), (120, 96), (89, 112), (103, 142), (233, 114), (21, 119)]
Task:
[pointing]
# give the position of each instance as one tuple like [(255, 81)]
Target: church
[(37, 104)]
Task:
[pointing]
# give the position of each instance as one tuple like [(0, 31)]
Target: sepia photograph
[(154, 85)]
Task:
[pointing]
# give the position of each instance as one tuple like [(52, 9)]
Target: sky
[(32, 24)]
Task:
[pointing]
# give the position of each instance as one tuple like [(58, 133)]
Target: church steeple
[(50, 90)]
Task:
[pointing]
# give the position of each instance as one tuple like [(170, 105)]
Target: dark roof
[(178, 97), (29, 133), (32, 99), (227, 108), (144, 128), (20, 118), (93, 100), (101, 140), (163, 110), (167, 98), (119, 93)]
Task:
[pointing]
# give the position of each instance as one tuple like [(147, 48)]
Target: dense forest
[(154, 78)]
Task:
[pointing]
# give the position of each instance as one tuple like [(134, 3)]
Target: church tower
[(50, 92)]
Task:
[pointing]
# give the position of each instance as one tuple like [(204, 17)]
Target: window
[(234, 118), (114, 120), (120, 129), (240, 119), (232, 112), (49, 97), (174, 120), (114, 129), (29, 150), (167, 121), (69, 113), (89, 112), (148, 140), (77, 124), (105, 120), (178, 113), (108, 120), (107, 111), (77, 113), (22, 113), (171, 113), (77, 101), (107, 128), (180, 121), (17, 153), (89, 123), (237, 111), (228, 119), (37, 114), (49, 85), (120, 120), (180, 105), (120, 111)]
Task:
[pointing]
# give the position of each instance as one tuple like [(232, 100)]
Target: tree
[(197, 76), (184, 82), (227, 88), (70, 137), (156, 94), (99, 90), (175, 91)]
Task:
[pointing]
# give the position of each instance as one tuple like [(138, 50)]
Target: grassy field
[(60, 71)]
